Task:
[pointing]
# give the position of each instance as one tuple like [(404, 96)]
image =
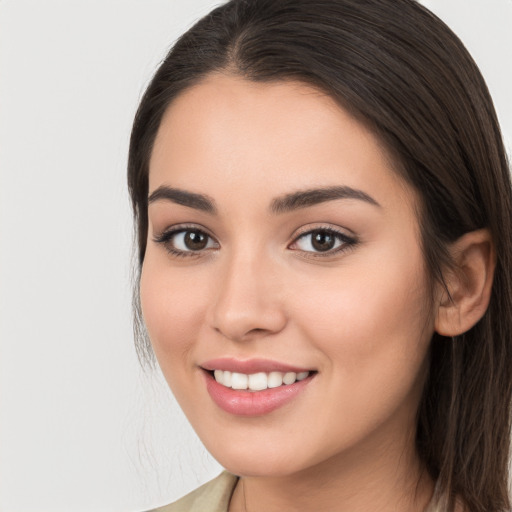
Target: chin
[(260, 459)]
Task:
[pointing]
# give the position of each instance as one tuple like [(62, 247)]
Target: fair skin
[(351, 308)]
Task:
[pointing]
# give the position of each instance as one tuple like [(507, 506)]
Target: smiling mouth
[(251, 391), (257, 381)]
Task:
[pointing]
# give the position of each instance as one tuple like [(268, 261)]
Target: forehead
[(268, 137)]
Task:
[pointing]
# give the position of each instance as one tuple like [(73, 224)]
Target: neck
[(381, 477)]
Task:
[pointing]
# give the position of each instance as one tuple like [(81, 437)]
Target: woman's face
[(282, 244)]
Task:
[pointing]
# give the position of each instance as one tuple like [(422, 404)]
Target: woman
[(323, 209)]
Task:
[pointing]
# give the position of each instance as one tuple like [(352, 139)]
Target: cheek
[(371, 317), (373, 333), (172, 310)]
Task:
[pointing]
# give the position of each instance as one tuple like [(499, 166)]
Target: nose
[(249, 303)]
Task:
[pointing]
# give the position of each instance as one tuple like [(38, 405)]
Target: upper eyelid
[(341, 236), (338, 230), (177, 228)]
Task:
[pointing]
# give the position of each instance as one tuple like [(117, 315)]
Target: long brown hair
[(402, 72)]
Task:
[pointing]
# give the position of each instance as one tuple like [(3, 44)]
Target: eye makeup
[(189, 240)]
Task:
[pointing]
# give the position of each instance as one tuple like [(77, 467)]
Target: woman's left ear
[(469, 284)]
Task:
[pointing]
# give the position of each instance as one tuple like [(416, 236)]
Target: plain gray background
[(81, 427)]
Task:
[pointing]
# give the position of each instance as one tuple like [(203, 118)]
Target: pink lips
[(250, 366), (252, 403)]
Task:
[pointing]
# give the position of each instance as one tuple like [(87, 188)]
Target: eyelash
[(346, 242), (166, 237)]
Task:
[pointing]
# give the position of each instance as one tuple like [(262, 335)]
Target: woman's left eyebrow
[(311, 197)]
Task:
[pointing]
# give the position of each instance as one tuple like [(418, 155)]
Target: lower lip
[(253, 403)]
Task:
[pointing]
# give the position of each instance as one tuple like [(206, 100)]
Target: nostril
[(256, 331)]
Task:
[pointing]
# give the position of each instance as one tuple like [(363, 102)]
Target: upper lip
[(250, 366)]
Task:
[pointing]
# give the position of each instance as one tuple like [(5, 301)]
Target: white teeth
[(239, 380), (275, 379), (289, 378), (224, 377), (257, 381)]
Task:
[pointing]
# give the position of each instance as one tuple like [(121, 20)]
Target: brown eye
[(195, 240), (322, 240), (186, 242), (327, 241)]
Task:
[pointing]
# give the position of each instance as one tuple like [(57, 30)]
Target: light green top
[(214, 496)]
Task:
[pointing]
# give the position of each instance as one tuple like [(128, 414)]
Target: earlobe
[(469, 284)]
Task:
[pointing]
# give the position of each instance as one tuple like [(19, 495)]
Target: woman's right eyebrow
[(191, 199)]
